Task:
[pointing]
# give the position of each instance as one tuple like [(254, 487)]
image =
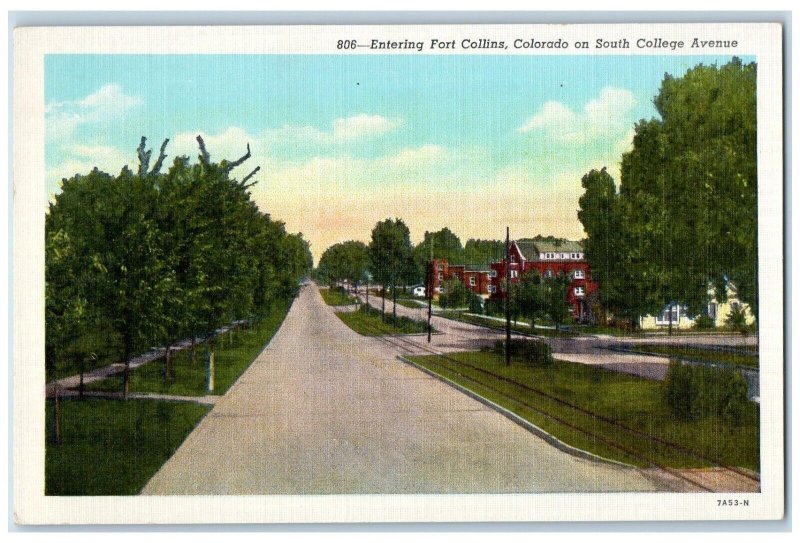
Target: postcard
[(420, 273)]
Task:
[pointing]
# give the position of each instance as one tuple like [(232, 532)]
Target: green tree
[(344, 261), (482, 252), (686, 208), (441, 244), (601, 215), (528, 296), (390, 256), (454, 294), (141, 258)]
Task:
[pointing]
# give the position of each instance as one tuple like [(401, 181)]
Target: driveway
[(324, 410)]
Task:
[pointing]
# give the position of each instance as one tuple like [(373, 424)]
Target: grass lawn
[(698, 353), (367, 322), (413, 303), (113, 447), (336, 296), (230, 361), (500, 325), (637, 403)]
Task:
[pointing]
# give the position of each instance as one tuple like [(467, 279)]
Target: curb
[(513, 417)]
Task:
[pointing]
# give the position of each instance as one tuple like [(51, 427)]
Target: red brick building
[(549, 260), (475, 279)]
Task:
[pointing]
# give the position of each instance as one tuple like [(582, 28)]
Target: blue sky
[(469, 142)]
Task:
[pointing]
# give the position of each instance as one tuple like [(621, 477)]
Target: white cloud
[(83, 159), (106, 103), (604, 116), (363, 126)]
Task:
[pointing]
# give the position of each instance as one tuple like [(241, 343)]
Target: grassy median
[(702, 353), (233, 355), (336, 296), (367, 321), (111, 447), (500, 325), (625, 399)]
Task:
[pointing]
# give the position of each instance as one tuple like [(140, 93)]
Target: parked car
[(419, 291)]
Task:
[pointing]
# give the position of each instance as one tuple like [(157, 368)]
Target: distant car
[(419, 292)]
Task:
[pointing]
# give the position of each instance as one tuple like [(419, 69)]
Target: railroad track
[(463, 370)]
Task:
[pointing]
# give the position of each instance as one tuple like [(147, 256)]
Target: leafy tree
[(441, 244), (454, 294), (482, 252), (390, 256), (344, 261), (601, 215), (528, 297), (686, 212), (141, 258)]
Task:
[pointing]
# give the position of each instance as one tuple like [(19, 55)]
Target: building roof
[(475, 268), (531, 249)]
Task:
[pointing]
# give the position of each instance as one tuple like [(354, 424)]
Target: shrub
[(529, 351), (494, 307), (704, 322), (475, 304), (701, 391), (737, 320), (680, 391)]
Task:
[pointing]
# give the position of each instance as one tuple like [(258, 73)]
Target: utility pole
[(430, 287), (508, 297)]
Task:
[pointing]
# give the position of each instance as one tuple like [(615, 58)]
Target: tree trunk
[(126, 379), (57, 419), (383, 304), (168, 365), (394, 305), (670, 319), (192, 352), (210, 368)]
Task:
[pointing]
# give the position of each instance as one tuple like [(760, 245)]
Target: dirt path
[(324, 410)]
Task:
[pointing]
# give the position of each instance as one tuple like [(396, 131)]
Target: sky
[(474, 143)]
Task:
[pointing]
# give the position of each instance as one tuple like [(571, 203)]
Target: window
[(491, 289), (548, 273), (712, 311), (579, 291), (513, 258), (579, 274), (494, 273), (441, 276), (513, 274), (472, 281), (663, 318)]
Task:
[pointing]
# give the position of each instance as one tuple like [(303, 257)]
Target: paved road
[(323, 410), (591, 350)]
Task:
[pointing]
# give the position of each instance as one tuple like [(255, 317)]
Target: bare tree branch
[(205, 158), (248, 176), (231, 165), (245, 187), (144, 157), (161, 157)]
